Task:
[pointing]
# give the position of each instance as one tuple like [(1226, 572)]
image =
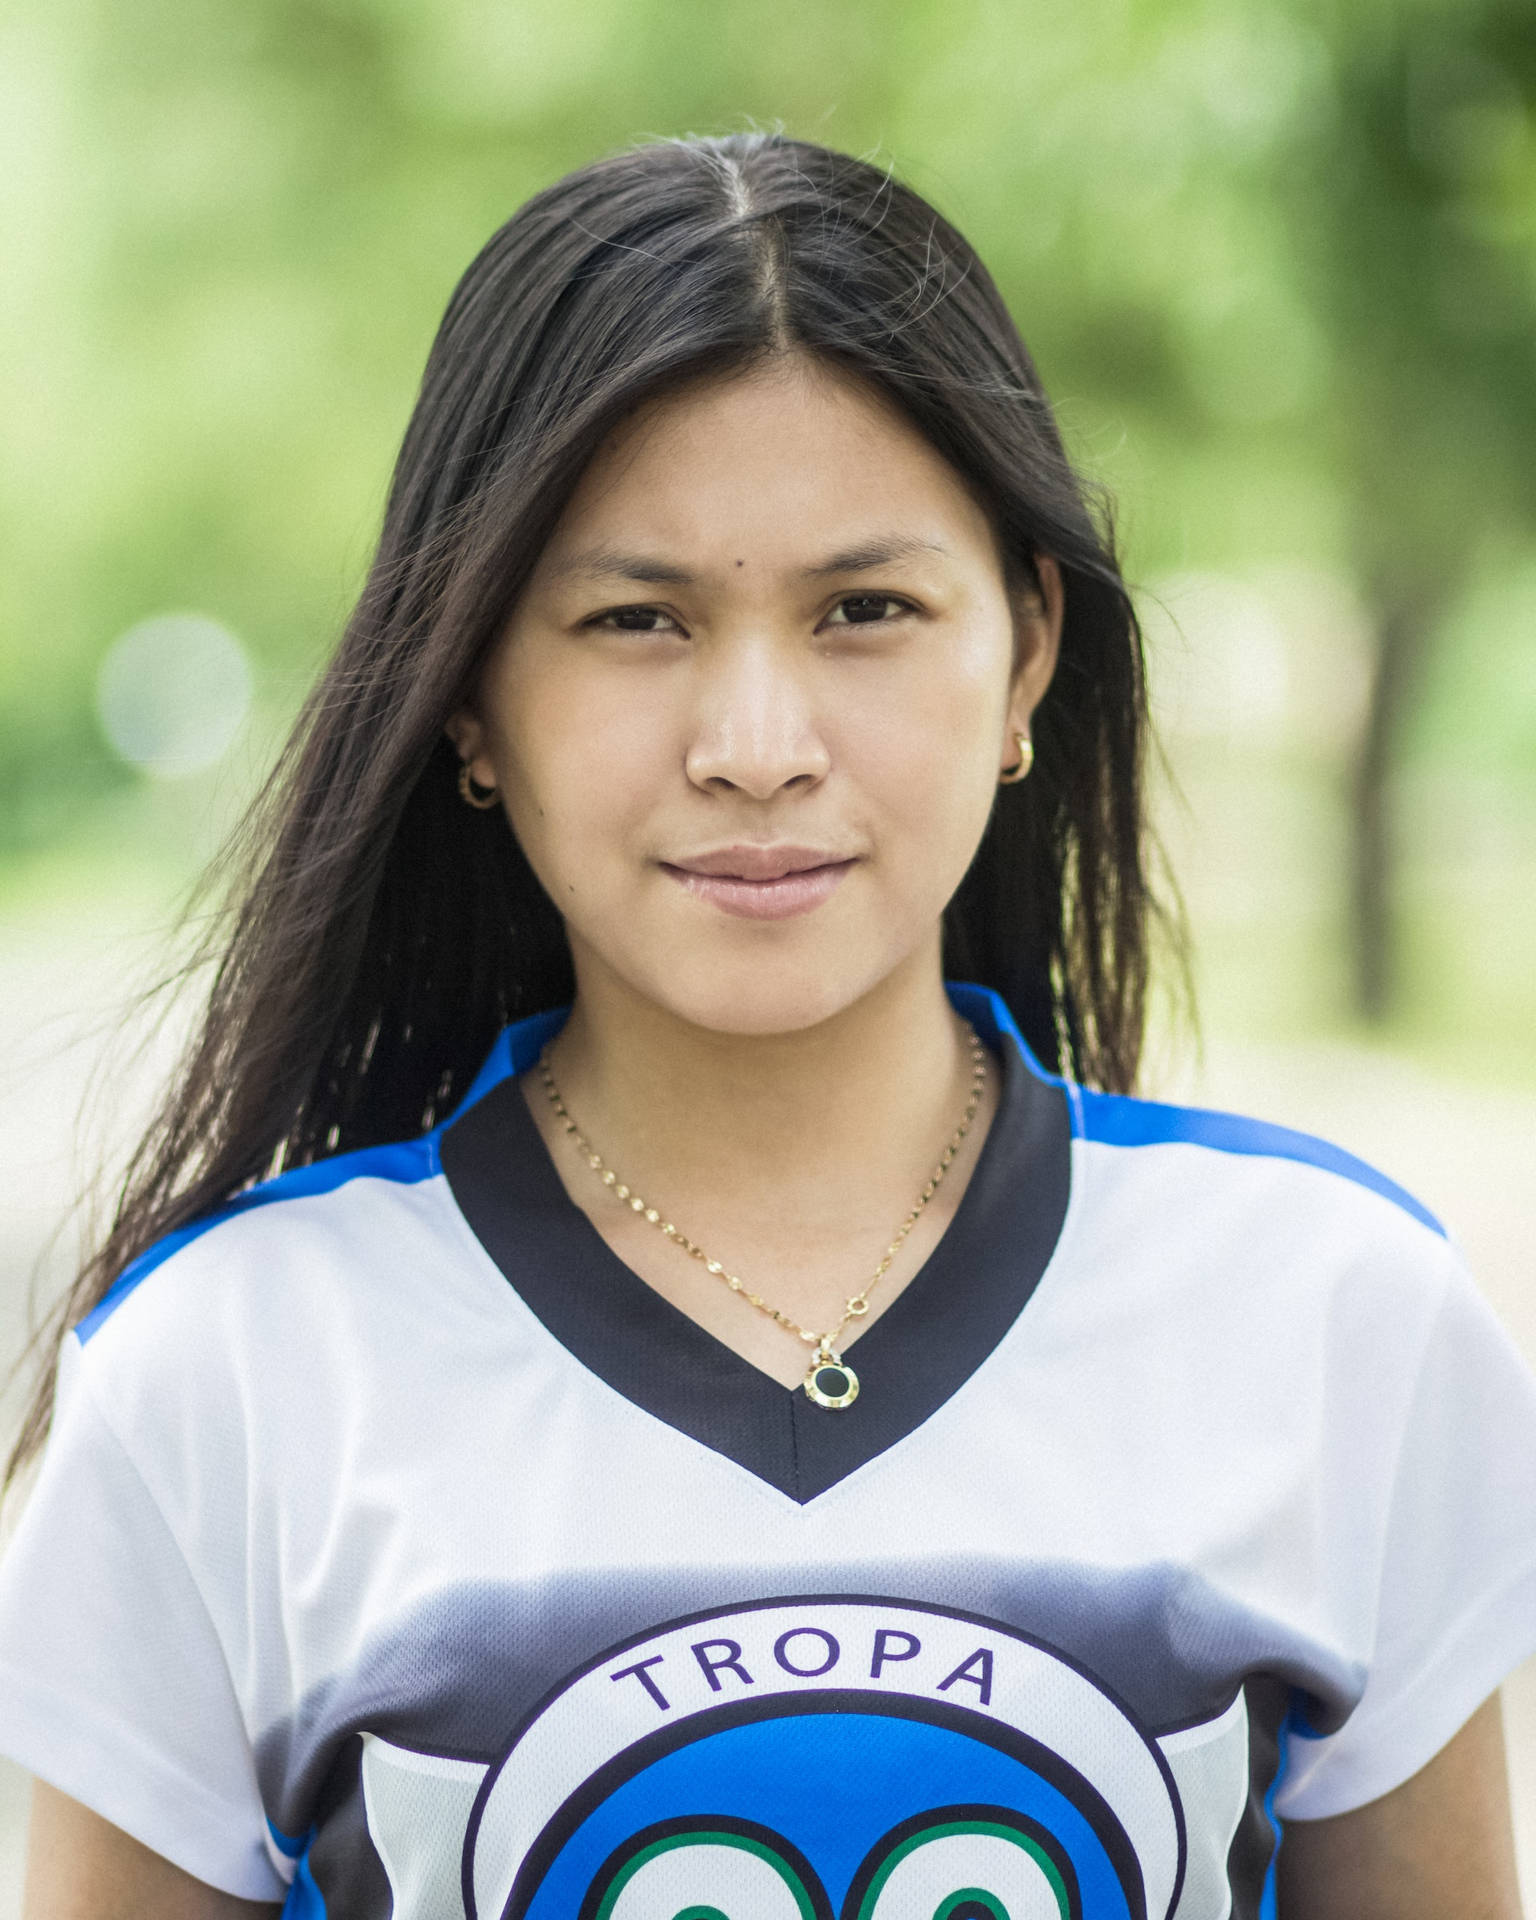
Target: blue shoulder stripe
[(516, 1049), (407, 1161), (989, 1014), (1117, 1120), (404, 1161)]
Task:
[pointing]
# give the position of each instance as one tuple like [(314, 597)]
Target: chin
[(759, 1000)]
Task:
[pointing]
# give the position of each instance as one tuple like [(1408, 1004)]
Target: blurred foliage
[(1277, 262)]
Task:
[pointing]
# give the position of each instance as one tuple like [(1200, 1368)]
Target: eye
[(711, 1873), (633, 620), (866, 610), (980, 1864)]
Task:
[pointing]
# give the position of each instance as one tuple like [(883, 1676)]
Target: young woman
[(614, 1394)]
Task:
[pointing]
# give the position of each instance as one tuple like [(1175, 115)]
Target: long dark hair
[(382, 932)]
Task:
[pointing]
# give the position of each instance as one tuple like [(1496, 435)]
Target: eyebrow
[(607, 563), (870, 554), (651, 570)]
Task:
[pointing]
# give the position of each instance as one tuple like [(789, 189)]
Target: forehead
[(788, 457)]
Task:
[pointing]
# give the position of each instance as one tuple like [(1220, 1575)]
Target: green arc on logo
[(963, 1896), (705, 1836)]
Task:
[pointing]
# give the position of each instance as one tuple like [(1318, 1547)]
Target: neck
[(768, 1119)]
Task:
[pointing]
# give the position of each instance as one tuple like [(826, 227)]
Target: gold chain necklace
[(829, 1379)]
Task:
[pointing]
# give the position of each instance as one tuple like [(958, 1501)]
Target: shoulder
[(246, 1347), (1220, 1151), (1282, 1287), (303, 1284), (272, 1255), (1172, 1155), (1259, 1236)]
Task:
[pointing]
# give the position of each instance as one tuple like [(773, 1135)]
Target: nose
[(755, 730)]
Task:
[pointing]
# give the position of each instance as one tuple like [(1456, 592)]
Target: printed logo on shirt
[(828, 1760)]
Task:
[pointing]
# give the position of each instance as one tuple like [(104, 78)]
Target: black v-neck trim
[(918, 1354)]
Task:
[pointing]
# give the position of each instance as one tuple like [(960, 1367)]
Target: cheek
[(937, 802), (930, 750), (579, 759)]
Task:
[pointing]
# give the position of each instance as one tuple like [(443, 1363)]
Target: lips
[(762, 883), (749, 862)]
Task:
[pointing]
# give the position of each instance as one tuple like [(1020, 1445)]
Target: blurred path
[(1465, 1152)]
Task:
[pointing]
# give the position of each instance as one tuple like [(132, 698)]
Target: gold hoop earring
[(1011, 776), (482, 799)]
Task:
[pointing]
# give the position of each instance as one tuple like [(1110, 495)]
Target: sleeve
[(1455, 1600), (113, 1683)]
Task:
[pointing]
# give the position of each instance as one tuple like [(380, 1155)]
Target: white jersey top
[(398, 1551)]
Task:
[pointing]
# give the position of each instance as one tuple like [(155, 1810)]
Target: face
[(748, 716)]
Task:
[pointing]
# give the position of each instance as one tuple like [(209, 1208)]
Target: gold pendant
[(831, 1382)]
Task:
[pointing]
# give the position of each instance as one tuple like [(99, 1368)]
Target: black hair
[(383, 932)]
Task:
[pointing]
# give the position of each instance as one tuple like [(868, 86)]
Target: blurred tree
[(1274, 256), (1412, 197)]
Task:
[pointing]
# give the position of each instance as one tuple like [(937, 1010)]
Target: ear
[(466, 731), (1037, 646)]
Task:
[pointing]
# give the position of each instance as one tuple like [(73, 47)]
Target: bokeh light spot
[(172, 693)]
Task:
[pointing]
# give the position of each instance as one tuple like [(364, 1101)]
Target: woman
[(613, 1393)]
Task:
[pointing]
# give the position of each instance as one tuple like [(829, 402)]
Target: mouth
[(762, 883)]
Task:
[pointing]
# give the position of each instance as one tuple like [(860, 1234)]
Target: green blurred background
[(1277, 263)]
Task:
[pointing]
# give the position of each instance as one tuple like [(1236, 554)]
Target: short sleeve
[(1455, 1604), (113, 1685)]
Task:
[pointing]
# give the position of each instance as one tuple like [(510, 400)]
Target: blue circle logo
[(828, 1760)]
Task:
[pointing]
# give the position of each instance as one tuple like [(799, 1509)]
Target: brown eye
[(634, 620), (864, 609)]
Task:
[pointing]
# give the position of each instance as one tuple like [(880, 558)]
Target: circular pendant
[(831, 1383)]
